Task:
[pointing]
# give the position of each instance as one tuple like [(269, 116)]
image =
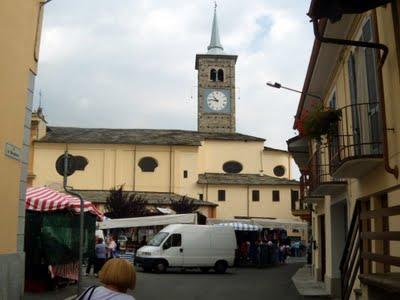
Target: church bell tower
[(216, 86)]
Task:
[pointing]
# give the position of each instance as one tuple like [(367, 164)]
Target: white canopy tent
[(149, 221), (287, 224), (241, 226)]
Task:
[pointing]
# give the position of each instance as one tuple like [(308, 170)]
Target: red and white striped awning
[(46, 199)]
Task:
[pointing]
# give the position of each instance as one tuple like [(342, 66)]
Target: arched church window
[(232, 167), (148, 164), (279, 171), (220, 75), (213, 75)]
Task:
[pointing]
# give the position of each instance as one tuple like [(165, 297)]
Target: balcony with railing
[(301, 208), (355, 141), (321, 182)]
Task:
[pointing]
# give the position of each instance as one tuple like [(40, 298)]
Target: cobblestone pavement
[(240, 283)]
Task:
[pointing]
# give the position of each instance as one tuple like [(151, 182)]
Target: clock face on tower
[(217, 101)]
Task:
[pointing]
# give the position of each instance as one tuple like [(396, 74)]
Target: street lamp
[(280, 86)]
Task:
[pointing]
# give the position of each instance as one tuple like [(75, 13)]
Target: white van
[(189, 246)]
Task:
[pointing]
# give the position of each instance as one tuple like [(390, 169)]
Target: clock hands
[(215, 99)]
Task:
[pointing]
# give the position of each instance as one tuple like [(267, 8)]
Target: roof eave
[(226, 56), (310, 70)]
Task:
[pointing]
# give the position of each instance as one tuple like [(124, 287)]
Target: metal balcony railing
[(358, 135), (321, 181)]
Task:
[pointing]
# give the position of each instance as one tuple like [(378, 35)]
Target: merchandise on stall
[(52, 236)]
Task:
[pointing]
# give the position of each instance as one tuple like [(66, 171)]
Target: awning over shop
[(149, 221), (46, 199), (281, 223), (334, 9), (287, 224), (241, 226), (298, 148)]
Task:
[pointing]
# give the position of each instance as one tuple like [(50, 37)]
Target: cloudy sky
[(130, 63)]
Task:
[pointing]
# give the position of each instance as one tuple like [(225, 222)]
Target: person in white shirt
[(117, 275), (112, 248)]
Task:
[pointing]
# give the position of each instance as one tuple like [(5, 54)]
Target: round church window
[(279, 171), (148, 164), (232, 167)]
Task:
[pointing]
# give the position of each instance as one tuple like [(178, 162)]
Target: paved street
[(269, 283)]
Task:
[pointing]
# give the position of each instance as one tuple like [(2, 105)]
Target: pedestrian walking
[(281, 248), (101, 255), (117, 276), (112, 247), (91, 262)]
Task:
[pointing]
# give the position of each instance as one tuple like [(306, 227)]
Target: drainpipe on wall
[(170, 169), (385, 49), (134, 169), (248, 201)]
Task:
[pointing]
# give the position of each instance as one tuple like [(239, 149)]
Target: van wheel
[(204, 270), (220, 267), (160, 267)]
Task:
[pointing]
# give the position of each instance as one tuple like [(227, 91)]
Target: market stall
[(149, 221), (257, 244), (52, 236), (131, 233)]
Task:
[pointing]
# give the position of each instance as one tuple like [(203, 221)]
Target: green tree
[(119, 204), (184, 205)]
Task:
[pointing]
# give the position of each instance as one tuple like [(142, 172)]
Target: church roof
[(247, 179), (275, 149), (152, 198), (74, 135)]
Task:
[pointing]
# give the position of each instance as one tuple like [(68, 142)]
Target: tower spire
[(215, 46)]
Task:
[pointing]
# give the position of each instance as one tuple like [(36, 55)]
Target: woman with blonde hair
[(117, 275)]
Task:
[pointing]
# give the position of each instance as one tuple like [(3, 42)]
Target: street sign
[(13, 151)]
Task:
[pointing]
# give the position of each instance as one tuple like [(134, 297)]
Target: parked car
[(189, 246)]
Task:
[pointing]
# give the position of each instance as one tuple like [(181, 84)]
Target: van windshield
[(158, 239)]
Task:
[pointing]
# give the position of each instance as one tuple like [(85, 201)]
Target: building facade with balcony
[(350, 172), (20, 23)]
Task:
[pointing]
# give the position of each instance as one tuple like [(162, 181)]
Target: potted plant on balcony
[(317, 122)]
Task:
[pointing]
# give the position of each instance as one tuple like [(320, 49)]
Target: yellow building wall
[(213, 154), (272, 159), (114, 165), (238, 201), (18, 24)]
